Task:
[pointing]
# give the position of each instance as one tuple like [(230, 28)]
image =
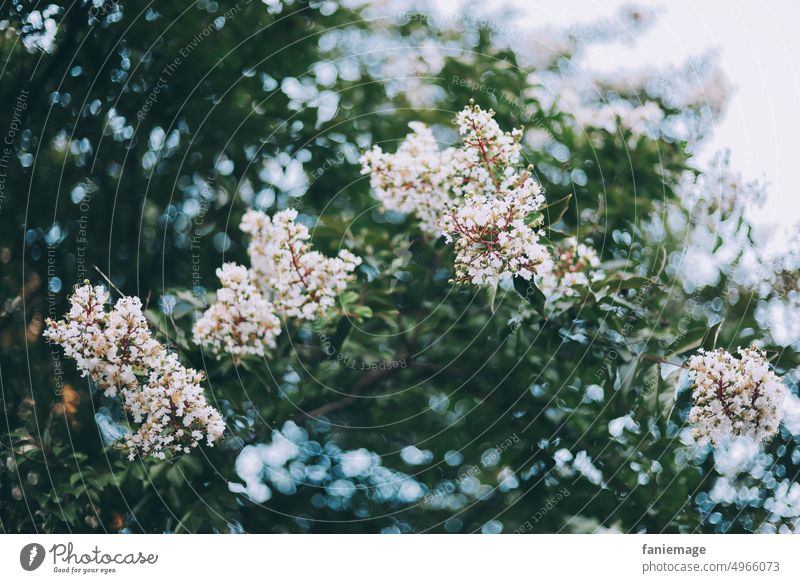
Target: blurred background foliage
[(137, 134)]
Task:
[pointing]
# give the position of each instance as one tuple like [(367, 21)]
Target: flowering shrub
[(116, 350), (477, 199), (389, 400)]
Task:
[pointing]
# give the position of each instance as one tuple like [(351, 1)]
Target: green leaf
[(709, 341), (362, 311), (343, 328), (493, 297), (635, 282), (187, 296), (534, 218), (530, 293), (717, 244), (556, 210), (689, 341), (348, 298), (175, 476)]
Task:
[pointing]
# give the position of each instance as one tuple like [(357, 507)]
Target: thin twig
[(108, 280)]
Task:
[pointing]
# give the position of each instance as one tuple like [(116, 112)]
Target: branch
[(371, 380), (375, 377)]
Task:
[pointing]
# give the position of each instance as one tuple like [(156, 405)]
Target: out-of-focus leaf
[(554, 211), (689, 341), (343, 328), (717, 244), (709, 341), (530, 293), (635, 282)]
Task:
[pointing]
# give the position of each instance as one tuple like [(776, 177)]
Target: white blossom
[(571, 264), (426, 181), (171, 411), (116, 350), (495, 238), (734, 397), (480, 200), (414, 180), (300, 282), (110, 347), (490, 155), (496, 229), (242, 321)]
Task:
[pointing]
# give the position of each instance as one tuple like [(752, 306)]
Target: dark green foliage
[(410, 359)]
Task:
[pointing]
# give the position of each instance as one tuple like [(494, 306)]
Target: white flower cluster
[(115, 348), (734, 397), (300, 282), (242, 321), (172, 411), (490, 154), (286, 278), (573, 264), (473, 195), (476, 197), (496, 229), (415, 179), (493, 238)]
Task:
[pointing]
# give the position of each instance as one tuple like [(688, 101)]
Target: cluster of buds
[(117, 351), (734, 397)]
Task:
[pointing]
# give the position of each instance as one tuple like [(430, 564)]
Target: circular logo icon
[(31, 556)]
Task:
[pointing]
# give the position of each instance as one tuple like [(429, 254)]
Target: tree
[(141, 138)]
